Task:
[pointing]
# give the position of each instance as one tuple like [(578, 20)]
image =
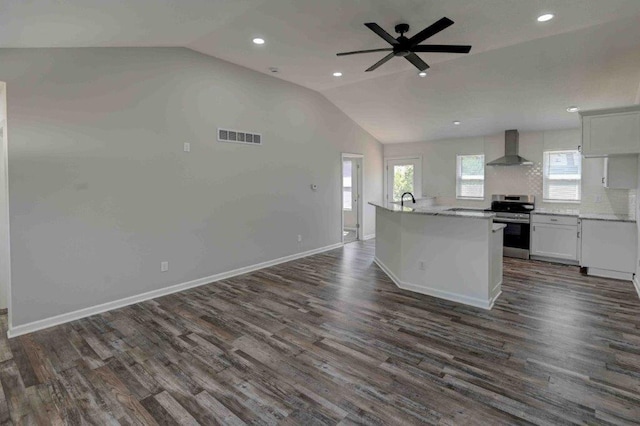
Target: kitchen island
[(453, 255)]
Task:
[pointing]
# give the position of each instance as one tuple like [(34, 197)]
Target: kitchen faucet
[(402, 198)]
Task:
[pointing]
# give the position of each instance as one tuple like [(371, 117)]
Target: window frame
[(459, 177), (545, 158)]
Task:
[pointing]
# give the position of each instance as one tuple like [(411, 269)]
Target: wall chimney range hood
[(511, 157)]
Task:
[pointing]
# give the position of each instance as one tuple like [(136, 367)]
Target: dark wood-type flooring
[(330, 340)]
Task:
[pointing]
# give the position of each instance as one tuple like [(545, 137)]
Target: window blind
[(470, 176), (562, 175)]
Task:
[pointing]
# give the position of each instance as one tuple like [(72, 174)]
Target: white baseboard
[(429, 291), (555, 260), (97, 309), (605, 273), (368, 237), (636, 284)]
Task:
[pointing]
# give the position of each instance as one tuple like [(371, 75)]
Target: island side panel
[(388, 241), (497, 239), (456, 255)]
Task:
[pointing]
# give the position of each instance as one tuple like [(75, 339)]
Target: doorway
[(402, 175), (351, 189)]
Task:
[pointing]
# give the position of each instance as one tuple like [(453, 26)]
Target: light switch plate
[(187, 147)]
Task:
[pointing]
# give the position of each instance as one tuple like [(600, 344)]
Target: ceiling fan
[(408, 47)]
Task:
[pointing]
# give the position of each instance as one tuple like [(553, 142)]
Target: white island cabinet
[(451, 255)]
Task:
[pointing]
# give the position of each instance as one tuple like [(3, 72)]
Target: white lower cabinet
[(609, 248), (555, 237)]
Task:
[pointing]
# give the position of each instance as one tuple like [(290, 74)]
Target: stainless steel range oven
[(514, 211)]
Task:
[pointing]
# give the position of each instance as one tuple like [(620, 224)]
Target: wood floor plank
[(329, 339)]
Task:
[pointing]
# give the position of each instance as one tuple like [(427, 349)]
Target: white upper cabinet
[(611, 132), (620, 172)]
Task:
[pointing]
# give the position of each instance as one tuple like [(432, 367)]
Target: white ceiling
[(520, 73)]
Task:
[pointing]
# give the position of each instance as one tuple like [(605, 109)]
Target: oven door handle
[(503, 220)]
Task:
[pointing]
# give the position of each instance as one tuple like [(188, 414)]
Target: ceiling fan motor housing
[(402, 28)]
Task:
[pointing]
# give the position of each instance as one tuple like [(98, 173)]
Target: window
[(470, 177), (403, 178), (346, 184), (562, 174), (403, 175)]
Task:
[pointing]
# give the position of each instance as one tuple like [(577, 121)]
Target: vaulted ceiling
[(520, 73)]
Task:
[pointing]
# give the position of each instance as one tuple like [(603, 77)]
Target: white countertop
[(434, 210)]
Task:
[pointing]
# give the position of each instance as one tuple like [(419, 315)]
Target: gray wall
[(101, 191)]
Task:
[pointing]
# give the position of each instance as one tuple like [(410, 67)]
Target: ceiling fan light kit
[(408, 47)]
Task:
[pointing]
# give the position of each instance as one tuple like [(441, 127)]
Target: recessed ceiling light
[(337, 74), (457, 123), (546, 17), (573, 109), (258, 40), (422, 73)]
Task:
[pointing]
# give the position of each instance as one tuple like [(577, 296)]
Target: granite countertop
[(609, 217), (434, 211), (588, 216), (498, 226), (558, 212)]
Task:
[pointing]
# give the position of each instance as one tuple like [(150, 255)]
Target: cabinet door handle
[(553, 220), (603, 180), (534, 228), (578, 234), (579, 148)]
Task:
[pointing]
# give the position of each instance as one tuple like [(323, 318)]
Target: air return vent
[(239, 136)]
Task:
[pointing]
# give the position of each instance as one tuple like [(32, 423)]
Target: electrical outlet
[(164, 266), (187, 147), (299, 238), (421, 265)]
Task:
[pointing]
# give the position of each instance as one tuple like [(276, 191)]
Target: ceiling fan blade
[(380, 62), (445, 48), (382, 33), (430, 31), (417, 62), (388, 49)]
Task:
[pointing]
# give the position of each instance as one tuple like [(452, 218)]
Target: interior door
[(403, 175)]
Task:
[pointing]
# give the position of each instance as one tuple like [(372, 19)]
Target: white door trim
[(5, 249), (360, 189), (417, 176)]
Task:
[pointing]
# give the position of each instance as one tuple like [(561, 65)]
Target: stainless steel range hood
[(511, 157)]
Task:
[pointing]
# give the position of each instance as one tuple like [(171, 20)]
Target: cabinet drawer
[(554, 220)]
